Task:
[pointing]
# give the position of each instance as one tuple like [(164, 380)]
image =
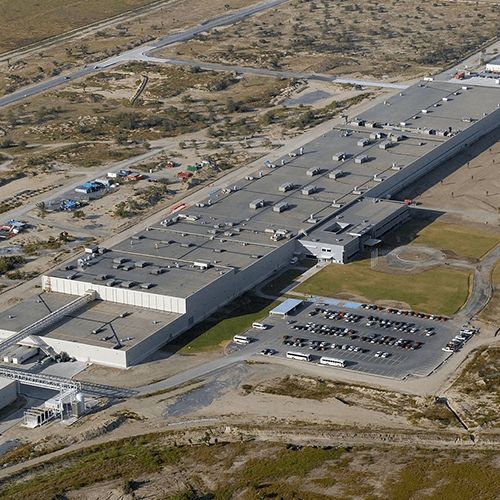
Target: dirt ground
[(102, 40), (362, 40)]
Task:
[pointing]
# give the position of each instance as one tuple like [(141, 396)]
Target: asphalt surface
[(401, 362), (267, 72)]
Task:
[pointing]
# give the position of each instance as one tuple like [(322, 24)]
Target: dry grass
[(33, 20), (462, 241)]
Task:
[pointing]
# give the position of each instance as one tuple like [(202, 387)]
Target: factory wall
[(235, 282), (152, 343), (212, 297), (118, 295), (88, 353), (390, 222), (322, 250), (9, 390), (436, 157)]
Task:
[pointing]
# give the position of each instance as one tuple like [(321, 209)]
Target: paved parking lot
[(347, 324)]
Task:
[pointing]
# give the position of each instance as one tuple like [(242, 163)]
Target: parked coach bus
[(332, 362), (298, 355)]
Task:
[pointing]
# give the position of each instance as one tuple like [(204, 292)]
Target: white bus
[(241, 339), (332, 362), (298, 355), (259, 326)]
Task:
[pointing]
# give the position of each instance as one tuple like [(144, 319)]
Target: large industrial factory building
[(329, 203)]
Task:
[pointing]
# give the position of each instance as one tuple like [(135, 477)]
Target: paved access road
[(136, 54)]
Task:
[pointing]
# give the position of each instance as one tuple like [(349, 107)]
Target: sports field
[(437, 291)]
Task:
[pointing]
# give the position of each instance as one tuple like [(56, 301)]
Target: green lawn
[(225, 330), (438, 291), (461, 240)]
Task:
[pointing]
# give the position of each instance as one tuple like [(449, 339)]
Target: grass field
[(438, 291), (228, 327), (461, 240), (495, 275), (32, 20)]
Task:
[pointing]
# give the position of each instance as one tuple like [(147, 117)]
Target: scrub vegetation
[(249, 470), (379, 38)]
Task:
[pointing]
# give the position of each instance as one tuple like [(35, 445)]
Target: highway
[(143, 54), (138, 53)]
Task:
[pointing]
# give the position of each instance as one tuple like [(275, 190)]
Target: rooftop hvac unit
[(202, 265), (397, 138), (285, 187), (142, 263), (361, 159), (256, 203), (309, 190), (335, 174), (313, 171), (280, 207), (146, 286), (157, 270)]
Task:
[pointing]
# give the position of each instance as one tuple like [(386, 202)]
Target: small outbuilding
[(286, 307)]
